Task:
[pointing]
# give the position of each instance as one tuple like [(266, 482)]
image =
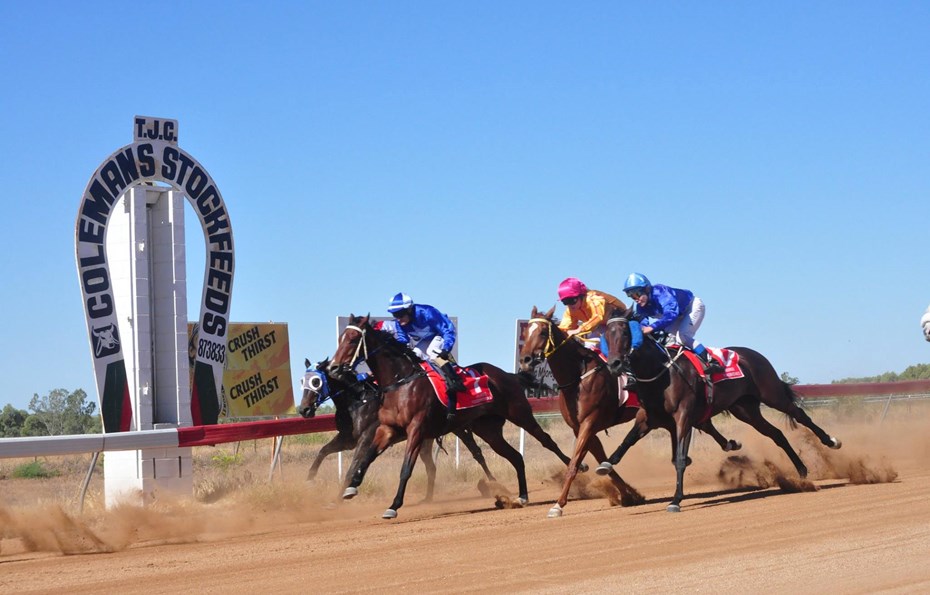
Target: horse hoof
[(390, 513), (583, 467), (604, 468), (673, 508), (732, 445), (836, 443), (521, 502), (350, 493), (555, 512)]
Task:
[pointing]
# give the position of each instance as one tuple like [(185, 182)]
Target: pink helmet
[(571, 287)]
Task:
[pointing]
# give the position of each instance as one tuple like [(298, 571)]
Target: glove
[(419, 353)]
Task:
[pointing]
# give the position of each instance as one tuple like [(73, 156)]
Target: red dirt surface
[(748, 524)]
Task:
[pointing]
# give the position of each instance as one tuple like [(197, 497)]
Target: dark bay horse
[(588, 398), (671, 391), (411, 411), (357, 403)]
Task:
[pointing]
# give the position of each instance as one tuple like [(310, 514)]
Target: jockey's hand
[(444, 354), (572, 332), (419, 353), (646, 329)]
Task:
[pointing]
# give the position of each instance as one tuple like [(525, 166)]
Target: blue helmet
[(636, 281), (401, 301)]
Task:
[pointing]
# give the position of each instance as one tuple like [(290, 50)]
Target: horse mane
[(389, 340)]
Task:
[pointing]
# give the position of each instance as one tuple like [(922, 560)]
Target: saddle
[(477, 388)]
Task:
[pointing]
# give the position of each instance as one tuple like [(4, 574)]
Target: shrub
[(34, 470), (223, 460)]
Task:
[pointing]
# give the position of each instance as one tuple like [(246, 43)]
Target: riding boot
[(711, 366), (629, 379), (453, 387)]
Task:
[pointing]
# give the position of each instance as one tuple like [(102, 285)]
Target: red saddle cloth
[(728, 360), (478, 391)]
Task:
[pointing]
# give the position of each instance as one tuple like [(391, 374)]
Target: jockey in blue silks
[(677, 312), (431, 335)]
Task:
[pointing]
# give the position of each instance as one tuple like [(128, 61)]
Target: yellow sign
[(257, 378)]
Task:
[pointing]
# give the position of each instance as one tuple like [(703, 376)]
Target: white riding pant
[(429, 349), (682, 331)]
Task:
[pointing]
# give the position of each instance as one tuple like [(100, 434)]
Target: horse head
[(618, 338), (352, 348), (538, 339), (315, 388)]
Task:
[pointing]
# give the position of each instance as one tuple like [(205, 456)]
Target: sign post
[(130, 252)]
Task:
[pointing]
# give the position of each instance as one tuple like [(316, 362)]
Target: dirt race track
[(744, 527)]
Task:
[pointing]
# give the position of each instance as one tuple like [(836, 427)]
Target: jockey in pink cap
[(585, 310)]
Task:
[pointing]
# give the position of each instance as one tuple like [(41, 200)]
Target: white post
[(145, 243), (522, 441)]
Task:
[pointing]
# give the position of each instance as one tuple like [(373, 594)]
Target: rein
[(671, 361), (551, 348), (362, 348)]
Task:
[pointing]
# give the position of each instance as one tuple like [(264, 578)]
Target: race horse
[(357, 403), (589, 399), (410, 410), (671, 391)]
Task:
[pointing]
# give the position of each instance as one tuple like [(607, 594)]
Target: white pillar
[(145, 247)]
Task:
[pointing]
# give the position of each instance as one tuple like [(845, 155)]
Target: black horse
[(672, 392), (357, 404)]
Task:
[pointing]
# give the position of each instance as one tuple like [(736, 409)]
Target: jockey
[(925, 323), (431, 335), (585, 311), (677, 312)]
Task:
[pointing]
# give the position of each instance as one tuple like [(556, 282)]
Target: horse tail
[(793, 399)]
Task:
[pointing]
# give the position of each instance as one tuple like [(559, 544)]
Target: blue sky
[(772, 157)]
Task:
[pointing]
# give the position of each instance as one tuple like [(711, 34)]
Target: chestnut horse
[(671, 391), (588, 398), (411, 410), (357, 403)]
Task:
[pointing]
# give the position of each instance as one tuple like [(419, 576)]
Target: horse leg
[(339, 443), (629, 496), (683, 429), (727, 445), (800, 416), (469, 441), (582, 437), (414, 444), (640, 428), (426, 455), (491, 430), (748, 411), (532, 426), (382, 439)]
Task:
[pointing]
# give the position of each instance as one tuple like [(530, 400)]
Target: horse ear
[(323, 364), (550, 312), (306, 363)]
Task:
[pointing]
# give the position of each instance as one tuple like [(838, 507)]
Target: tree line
[(60, 412)]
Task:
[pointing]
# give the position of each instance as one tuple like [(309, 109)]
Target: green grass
[(34, 470)]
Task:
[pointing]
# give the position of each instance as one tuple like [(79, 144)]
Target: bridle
[(671, 361), (550, 348), (362, 355)]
